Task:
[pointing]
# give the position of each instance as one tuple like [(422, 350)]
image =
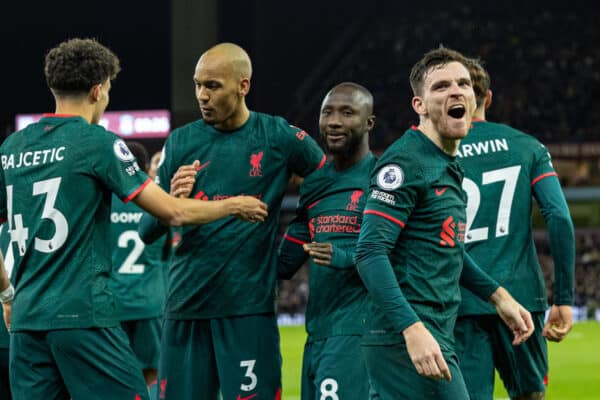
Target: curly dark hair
[(432, 59), (75, 65), (140, 153), (481, 80)]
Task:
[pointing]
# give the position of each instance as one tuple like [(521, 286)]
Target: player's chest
[(337, 216)]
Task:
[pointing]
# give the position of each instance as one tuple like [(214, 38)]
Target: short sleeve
[(305, 155), (116, 166)]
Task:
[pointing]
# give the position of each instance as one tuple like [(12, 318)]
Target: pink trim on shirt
[(293, 239), (137, 191), (384, 215), (539, 178)]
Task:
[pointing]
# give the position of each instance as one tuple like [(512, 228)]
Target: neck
[(479, 113), (342, 162), (238, 119), (72, 107), (448, 146)]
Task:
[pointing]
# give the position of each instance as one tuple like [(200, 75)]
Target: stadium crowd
[(524, 64)]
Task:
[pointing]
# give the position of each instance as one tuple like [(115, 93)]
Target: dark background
[(541, 56)]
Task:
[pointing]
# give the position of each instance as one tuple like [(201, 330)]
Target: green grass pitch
[(574, 364)]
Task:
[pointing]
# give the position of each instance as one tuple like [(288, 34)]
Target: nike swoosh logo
[(441, 191), (201, 167), (247, 397)]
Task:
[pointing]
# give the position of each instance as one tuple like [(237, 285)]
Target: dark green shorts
[(394, 377), (484, 342), (238, 356), (94, 363), (144, 338), (4, 385), (333, 369)]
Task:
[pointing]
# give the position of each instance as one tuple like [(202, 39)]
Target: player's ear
[(244, 87), (95, 92), (370, 122), (419, 105), (488, 99)]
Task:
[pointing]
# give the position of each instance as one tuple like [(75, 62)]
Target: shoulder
[(405, 152), (188, 130)]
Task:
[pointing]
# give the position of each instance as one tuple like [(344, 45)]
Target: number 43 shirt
[(57, 179)]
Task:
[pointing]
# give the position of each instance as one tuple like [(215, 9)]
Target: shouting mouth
[(458, 111)]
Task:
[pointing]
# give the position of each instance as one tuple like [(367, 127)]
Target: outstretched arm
[(517, 318), (561, 235)]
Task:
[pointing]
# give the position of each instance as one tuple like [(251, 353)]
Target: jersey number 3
[(509, 176), (19, 233)]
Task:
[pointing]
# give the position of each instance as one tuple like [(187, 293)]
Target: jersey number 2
[(509, 176), (129, 265)]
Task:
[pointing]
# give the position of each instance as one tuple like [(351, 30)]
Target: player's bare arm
[(517, 318), (7, 293), (425, 352), (559, 323), (176, 212), (183, 180)]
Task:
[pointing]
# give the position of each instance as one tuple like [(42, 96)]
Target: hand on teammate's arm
[(176, 212), (559, 324), (329, 255), (425, 352), (183, 180), (514, 315)]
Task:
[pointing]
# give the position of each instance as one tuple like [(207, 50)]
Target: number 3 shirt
[(57, 179)]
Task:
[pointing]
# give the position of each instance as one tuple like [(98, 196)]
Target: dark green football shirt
[(58, 176), (139, 274), (330, 210), (416, 190), (228, 267), (502, 167)]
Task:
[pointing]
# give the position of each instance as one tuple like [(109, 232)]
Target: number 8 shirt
[(58, 176)]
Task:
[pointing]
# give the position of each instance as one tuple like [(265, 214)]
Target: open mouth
[(457, 111)]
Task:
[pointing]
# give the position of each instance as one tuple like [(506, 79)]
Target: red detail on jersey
[(203, 166), (311, 228), (441, 191), (539, 178), (311, 205), (323, 160), (163, 388), (2, 220), (59, 115), (354, 199), (546, 380), (137, 397), (247, 397), (388, 217), (255, 160), (301, 135), (137, 191), (48, 128), (201, 196), (293, 239), (278, 394), (447, 234), (414, 128)]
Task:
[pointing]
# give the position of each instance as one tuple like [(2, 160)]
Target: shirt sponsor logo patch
[(390, 177), (122, 151), (383, 196)]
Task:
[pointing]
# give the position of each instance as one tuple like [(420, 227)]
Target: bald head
[(230, 56), (360, 95)]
